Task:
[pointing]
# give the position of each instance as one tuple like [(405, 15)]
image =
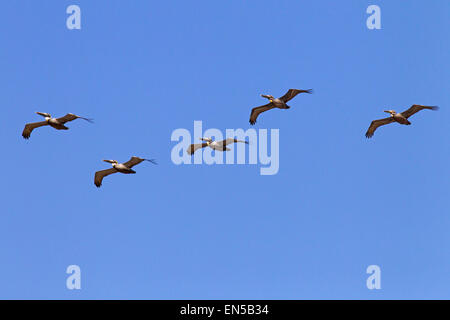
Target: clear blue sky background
[(141, 69)]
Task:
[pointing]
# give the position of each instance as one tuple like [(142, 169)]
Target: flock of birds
[(281, 103)]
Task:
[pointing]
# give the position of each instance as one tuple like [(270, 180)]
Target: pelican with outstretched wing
[(216, 145), (275, 103), (57, 123), (125, 168), (401, 118)]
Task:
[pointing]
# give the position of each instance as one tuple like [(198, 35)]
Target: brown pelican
[(57, 123), (401, 118), (216, 145), (275, 103), (119, 167)]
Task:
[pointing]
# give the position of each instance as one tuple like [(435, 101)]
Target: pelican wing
[(256, 111), (416, 108), (194, 147), (134, 161), (70, 117), (99, 175), (292, 93), (228, 141), (29, 127), (377, 123)]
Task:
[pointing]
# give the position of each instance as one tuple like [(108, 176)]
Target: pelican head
[(391, 112), (46, 115), (111, 161), (268, 96)]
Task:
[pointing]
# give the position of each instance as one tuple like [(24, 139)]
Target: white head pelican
[(275, 103), (216, 145), (119, 167), (57, 123), (401, 118)]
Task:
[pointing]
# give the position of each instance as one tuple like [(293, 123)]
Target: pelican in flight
[(401, 118), (57, 123), (275, 103), (216, 145), (119, 167)]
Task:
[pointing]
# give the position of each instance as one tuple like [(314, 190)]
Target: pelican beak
[(387, 111), (265, 96), (109, 161)]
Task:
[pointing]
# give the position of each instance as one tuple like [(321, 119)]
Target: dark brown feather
[(29, 127), (292, 93), (256, 111), (194, 147), (378, 123), (416, 108), (99, 175), (70, 117)]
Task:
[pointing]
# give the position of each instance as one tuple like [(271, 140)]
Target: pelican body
[(398, 117), (125, 168), (216, 145), (120, 167), (401, 118), (277, 102), (56, 123), (280, 103), (53, 122)]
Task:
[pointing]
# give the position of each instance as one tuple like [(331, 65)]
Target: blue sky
[(142, 69)]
